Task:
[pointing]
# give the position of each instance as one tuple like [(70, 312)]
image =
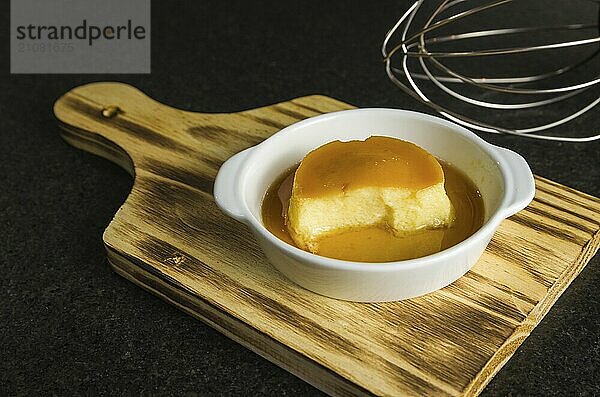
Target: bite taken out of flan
[(380, 182)]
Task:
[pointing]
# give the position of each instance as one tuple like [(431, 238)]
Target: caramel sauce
[(377, 161), (375, 244)]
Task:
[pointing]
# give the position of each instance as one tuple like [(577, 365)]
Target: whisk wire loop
[(442, 76)]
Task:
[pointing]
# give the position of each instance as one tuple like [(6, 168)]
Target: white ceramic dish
[(502, 176)]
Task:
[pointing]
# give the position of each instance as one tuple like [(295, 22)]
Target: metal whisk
[(416, 68)]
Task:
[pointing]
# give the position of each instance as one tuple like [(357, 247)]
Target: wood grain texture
[(170, 238)]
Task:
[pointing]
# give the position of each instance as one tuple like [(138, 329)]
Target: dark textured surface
[(69, 325)]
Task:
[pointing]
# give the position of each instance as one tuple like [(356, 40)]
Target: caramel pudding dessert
[(377, 200)]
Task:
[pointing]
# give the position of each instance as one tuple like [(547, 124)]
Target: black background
[(70, 325)]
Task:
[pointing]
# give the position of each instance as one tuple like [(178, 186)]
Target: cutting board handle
[(121, 123)]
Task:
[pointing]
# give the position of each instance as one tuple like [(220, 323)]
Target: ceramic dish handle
[(226, 191), (521, 188)]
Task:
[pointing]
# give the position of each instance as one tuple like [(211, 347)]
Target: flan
[(379, 182)]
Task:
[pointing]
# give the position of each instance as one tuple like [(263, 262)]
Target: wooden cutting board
[(170, 238)]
